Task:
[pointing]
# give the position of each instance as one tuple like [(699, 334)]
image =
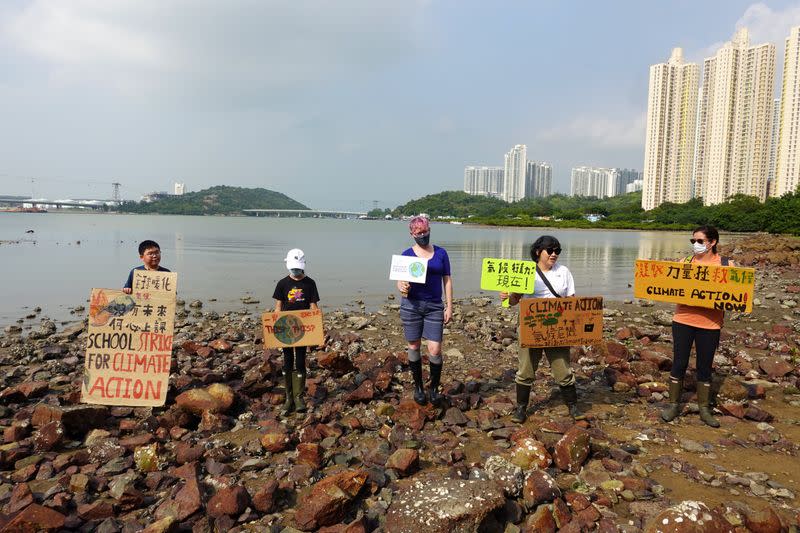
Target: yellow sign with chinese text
[(508, 275), (727, 288)]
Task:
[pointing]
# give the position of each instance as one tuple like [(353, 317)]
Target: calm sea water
[(67, 254)]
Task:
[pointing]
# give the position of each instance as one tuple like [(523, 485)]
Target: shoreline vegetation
[(218, 457), (739, 214)]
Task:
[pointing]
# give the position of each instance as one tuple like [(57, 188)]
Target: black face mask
[(423, 240)]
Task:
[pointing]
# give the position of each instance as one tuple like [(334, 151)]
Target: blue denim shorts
[(422, 319)]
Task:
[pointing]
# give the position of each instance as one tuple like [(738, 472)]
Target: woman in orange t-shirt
[(699, 326)]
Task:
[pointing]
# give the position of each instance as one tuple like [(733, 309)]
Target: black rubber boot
[(436, 377), (703, 396), (288, 404), (570, 396), (419, 388), (674, 408), (520, 414), (299, 389)]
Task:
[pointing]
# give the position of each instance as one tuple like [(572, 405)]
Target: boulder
[(410, 414), (196, 401), (405, 461), (326, 503), (529, 453), (230, 501), (458, 505), (689, 517), (77, 419), (572, 450), (775, 367), (508, 476), (541, 521), (539, 488), (36, 517)]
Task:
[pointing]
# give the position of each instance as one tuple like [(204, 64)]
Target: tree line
[(739, 213)]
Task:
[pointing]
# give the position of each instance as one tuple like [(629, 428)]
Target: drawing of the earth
[(288, 329), (416, 269)]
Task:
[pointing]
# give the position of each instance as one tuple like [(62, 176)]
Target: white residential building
[(514, 174), (670, 138), (601, 182), (179, 189), (773, 145), (539, 179), (787, 168), (735, 123), (483, 181), (634, 186)]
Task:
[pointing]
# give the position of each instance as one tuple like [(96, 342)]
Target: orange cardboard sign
[(292, 328), (546, 322)]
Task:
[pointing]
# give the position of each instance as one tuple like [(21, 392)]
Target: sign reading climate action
[(715, 287), (508, 275), (292, 328), (129, 346), (574, 321)]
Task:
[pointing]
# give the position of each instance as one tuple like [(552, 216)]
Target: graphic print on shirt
[(295, 295)]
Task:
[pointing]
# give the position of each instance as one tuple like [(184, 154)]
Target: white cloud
[(618, 132), (206, 45)]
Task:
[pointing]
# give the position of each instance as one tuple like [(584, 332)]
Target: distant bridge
[(43, 202), (310, 213)]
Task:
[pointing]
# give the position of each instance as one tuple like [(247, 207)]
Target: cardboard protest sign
[(508, 275), (292, 328), (715, 287), (129, 345), (408, 268), (574, 321)]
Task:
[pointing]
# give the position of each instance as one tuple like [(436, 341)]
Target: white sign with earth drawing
[(408, 268)]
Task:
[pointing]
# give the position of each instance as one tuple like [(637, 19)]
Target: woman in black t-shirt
[(295, 292)]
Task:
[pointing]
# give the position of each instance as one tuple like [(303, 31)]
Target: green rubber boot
[(288, 404), (299, 389), (703, 395), (520, 414), (674, 408)]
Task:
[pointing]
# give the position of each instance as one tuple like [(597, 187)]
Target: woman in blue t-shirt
[(422, 311)]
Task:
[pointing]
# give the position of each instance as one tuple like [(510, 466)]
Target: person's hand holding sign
[(403, 287), (511, 297)]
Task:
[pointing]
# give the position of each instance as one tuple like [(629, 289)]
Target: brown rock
[(561, 513), (325, 504), (732, 409), (688, 517), (230, 501), (77, 419), (572, 450), (405, 461), (337, 363), (661, 361), (48, 437), (275, 441), (623, 333), (188, 500), (617, 350), (164, 525), (541, 521), (356, 526), (21, 497), (36, 517), (364, 393), (223, 395), (96, 510), (412, 415), (264, 498), (186, 453), (757, 414), (25, 390), (775, 367), (460, 505), (733, 390), (16, 432), (763, 521), (196, 401), (309, 454), (529, 453), (205, 351), (221, 345), (539, 488)]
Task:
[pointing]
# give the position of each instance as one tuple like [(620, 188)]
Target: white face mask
[(699, 248)]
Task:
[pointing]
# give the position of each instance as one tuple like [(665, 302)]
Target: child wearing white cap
[(295, 292)]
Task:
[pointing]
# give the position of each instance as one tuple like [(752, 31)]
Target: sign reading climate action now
[(715, 287), (292, 328), (575, 321), (508, 275), (129, 346)]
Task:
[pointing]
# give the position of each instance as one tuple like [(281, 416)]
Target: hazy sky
[(336, 103)]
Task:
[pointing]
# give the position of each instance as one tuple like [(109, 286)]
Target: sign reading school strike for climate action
[(129, 348), (575, 321), (508, 275), (715, 287), (292, 328)]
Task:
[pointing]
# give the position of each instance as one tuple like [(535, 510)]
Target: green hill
[(219, 200)]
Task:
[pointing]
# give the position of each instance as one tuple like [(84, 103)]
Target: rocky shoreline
[(217, 457)]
